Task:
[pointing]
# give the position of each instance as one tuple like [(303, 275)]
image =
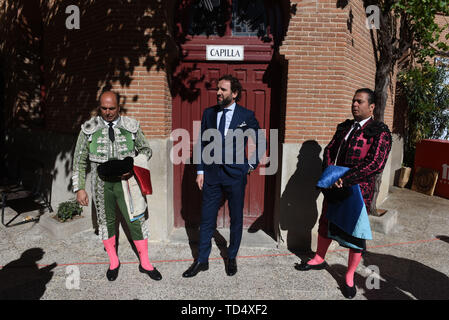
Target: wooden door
[(195, 90)]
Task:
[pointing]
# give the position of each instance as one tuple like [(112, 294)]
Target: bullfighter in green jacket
[(110, 136)]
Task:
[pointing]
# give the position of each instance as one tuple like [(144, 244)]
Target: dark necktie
[(111, 132), (355, 128), (221, 125), (345, 145), (221, 128)]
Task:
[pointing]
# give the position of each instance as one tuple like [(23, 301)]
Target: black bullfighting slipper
[(349, 292), (306, 267), (153, 274), (112, 274)]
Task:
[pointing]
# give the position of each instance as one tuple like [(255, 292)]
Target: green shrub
[(68, 209)]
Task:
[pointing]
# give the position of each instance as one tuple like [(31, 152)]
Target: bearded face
[(225, 97)]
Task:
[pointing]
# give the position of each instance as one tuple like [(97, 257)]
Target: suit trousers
[(234, 191)]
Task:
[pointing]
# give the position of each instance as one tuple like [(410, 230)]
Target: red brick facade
[(442, 20), (129, 49), (53, 77), (111, 50), (330, 55)]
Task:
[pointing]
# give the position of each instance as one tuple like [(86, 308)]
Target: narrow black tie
[(355, 128), (221, 126), (345, 145), (111, 132)]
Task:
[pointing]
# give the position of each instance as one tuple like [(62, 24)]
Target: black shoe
[(231, 267), (112, 274), (195, 268), (305, 267), (349, 292), (154, 274)]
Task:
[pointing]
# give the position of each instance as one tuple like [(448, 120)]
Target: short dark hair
[(235, 84), (369, 92)]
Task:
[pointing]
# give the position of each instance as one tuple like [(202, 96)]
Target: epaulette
[(374, 128), (129, 124), (345, 125), (92, 125)]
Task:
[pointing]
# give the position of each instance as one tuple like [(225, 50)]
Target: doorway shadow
[(298, 207), (191, 212), (22, 279), (276, 79)]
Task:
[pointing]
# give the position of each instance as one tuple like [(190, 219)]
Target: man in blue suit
[(224, 168)]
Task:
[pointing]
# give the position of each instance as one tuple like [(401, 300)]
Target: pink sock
[(323, 245), (353, 261), (111, 250), (142, 249)]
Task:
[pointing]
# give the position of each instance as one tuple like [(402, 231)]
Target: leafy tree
[(427, 93), (405, 27)]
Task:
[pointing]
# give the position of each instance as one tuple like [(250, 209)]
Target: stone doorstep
[(63, 230), (257, 239), (58, 230), (385, 223)]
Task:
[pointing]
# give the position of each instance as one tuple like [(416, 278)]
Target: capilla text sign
[(225, 53)]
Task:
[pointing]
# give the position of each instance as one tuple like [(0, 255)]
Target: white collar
[(230, 108), (362, 123), (114, 122)]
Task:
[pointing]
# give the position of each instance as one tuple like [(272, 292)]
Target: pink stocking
[(323, 245), (353, 261), (111, 250), (142, 249)]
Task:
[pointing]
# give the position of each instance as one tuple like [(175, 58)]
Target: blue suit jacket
[(236, 140)]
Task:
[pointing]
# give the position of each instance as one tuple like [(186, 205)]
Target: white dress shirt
[(361, 123), (114, 122), (229, 115)]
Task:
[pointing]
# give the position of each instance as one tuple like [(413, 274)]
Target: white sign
[(226, 53)]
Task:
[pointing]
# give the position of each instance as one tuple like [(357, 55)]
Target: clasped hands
[(338, 184)]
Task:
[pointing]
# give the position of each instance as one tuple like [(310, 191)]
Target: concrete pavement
[(411, 262)]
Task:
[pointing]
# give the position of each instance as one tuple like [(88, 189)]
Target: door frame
[(193, 49)]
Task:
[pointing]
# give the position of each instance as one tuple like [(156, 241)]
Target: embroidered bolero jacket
[(94, 144), (366, 154)]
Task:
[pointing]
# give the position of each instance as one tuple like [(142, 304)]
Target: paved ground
[(409, 263)]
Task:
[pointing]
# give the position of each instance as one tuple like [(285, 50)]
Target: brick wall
[(126, 48), (153, 106), (19, 64), (113, 49), (442, 21), (330, 55)]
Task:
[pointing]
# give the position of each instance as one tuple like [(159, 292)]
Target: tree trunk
[(383, 76), (373, 208), (388, 47)]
